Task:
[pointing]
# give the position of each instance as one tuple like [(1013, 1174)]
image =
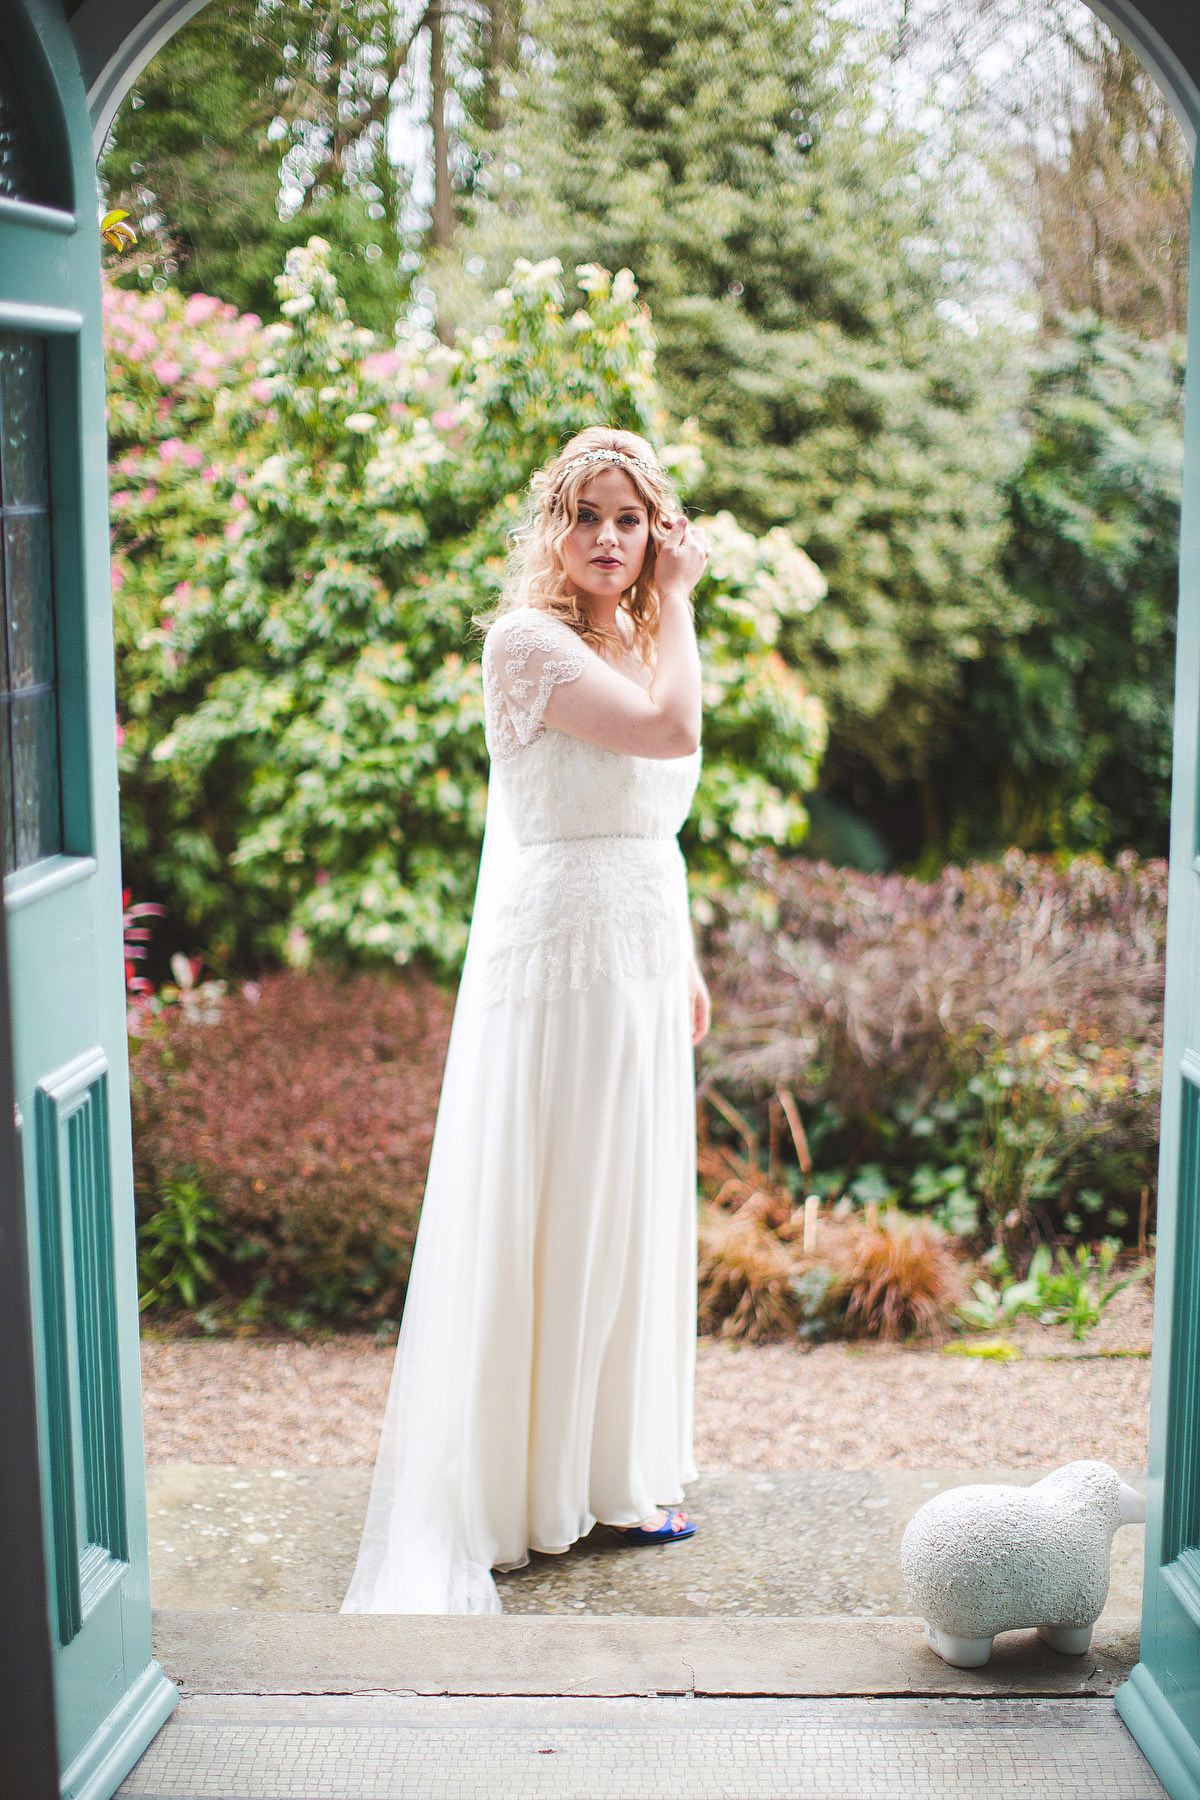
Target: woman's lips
[(606, 562)]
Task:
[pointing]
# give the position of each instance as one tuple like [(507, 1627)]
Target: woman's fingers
[(685, 550), (697, 538)]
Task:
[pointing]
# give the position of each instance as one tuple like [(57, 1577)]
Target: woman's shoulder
[(521, 630), (528, 613)]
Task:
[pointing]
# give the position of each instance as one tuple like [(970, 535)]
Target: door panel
[(89, 1520), (1161, 1700), (1180, 1548), (60, 841)]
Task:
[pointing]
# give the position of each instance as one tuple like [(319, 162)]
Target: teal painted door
[(60, 845), (1161, 1701)]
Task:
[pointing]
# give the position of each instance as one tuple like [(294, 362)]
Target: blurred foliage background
[(898, 291), (924, 319), (302, 752)]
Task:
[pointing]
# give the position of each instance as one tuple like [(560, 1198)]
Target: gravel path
[(778, 1406)]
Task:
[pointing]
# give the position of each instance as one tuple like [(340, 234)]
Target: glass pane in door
[(30, 787), (16, 164)]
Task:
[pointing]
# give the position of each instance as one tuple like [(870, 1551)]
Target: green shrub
[(1064, 734), (1058, 1288), (178, 1240)]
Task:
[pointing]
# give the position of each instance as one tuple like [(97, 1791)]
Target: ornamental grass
[(745, 1277), (898, 1279)]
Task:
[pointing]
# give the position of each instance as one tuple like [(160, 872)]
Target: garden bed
[(959, 1075)]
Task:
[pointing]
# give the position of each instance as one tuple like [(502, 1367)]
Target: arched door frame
[(1166, 40), (117, 38)]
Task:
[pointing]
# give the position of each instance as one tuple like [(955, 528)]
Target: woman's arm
[(698, 1001), (606, 708)]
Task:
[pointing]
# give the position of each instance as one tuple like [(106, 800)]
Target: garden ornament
[(983, 1559)]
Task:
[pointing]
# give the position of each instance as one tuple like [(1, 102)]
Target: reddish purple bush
[(306, 1117), (994, 1032)]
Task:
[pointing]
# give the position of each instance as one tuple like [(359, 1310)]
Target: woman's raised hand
[(606, 708), (682, 557)]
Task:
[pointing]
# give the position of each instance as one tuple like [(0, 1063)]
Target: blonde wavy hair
[(536, 576)]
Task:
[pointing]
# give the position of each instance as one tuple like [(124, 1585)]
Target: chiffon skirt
[(545, 1367)]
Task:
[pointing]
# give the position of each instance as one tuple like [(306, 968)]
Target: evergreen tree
[(1065, 742), (801, 264)]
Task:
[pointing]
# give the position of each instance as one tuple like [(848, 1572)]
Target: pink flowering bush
[(181, 427), (306, 519)]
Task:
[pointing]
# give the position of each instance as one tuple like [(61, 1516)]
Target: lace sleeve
[(526, 654)]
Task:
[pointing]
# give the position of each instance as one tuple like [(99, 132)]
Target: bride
[(544, 1372)]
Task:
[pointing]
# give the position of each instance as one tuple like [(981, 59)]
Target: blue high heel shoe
[(674, 1528)]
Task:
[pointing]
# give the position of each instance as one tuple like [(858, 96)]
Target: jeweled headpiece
[(614, 456)]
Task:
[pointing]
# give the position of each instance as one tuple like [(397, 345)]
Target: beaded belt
[(591, 837)]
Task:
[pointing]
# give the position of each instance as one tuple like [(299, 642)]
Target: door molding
[(27, 1722), (115, 40), (1166, 40)]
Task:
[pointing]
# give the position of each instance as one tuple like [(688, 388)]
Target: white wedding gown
[(545, 1366)]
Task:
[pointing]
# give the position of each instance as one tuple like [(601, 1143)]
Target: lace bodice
[(600, 889)]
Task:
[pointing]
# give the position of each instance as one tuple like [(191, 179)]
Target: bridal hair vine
[(614, 456)]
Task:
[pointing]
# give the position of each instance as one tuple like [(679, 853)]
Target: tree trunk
[(442, 215), (500, 55)]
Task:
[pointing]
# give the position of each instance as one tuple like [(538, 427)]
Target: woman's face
[(605, 549)]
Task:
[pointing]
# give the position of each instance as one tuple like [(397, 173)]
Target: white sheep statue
[(983, 1559)]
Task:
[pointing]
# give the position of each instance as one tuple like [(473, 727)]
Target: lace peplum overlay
[(598, 887)]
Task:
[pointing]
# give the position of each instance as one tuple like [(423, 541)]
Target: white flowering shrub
[(305, 523)]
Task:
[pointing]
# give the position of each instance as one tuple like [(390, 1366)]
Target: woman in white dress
[(545, 1366)]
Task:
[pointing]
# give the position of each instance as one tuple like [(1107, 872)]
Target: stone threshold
[(609, 1656)]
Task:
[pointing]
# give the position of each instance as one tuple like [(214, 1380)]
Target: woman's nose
[(607, 534)]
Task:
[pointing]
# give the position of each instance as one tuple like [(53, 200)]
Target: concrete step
[(607, 1656), (385, 1748), (770, 1543)]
